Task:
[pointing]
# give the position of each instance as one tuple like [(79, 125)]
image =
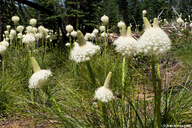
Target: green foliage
[(68, 100)]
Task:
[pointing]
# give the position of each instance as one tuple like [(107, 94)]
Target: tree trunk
[(47, 11), (85, 6), (123, 7), (1, 20), (71, 17)]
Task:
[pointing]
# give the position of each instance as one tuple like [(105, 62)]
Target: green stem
[(11, 44), (3, 64), (144, 104), (29, 62), (91, 74), (132, 93), (16, 37), (34, 95), (59, 112), (155, 89), (70, 40), (45, 46), (123, 92), (96, 39), (105, 56), (100, 38), (159, 95), (105, 116), (42, 49)]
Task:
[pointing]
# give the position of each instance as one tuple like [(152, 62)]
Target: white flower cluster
[(87, 36), (39, 78), (102, 28), (38, 35), (180, 21), (154, 41), (105, 19), (19, 35), (74, 34), (8, 27), (104, 94), (34, 30), (144, 12), (12, 34), (126, 46), (33, 22), (69, 28), (92, 35), (43, 31), (28, 39), (104, 34), (5, 43), (29, 29), (83, 53), (67, 44), (120, 24), (20, 28), (2, 49), (15, 19), (95, 31)]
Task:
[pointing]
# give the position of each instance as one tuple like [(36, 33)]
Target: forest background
[(85, 14)]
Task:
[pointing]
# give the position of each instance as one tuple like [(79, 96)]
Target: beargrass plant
[(83, 52), (69, 97)]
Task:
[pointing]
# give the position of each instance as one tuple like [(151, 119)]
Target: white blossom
[(19, 35), (104, 94), (88, 35), (2, 49), (69, 28), (144, 12), (29, 29), (38, 78), (15, 19), (38, 35), (154, 41), (34, 30), (20, 28), (126, 46), (67, 44), (95, 31), (105, 19), (102, 28), (191, 25), (120, 24), (92, 35), (8, 27), (33, 22), (74, 34), (13, 33), (83, 53), (5, 43), (104, 34), (28, 39)]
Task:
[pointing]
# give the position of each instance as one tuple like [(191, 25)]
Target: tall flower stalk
[(83, 52), (104, 95), (105, 21), (38, 80), (125, 45), (154, 42)]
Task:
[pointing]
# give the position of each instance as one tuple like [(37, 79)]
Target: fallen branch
[(159, 15), (175, 11)]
